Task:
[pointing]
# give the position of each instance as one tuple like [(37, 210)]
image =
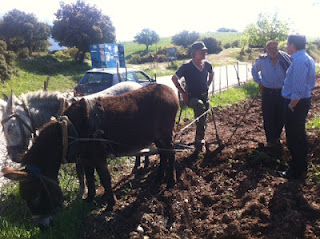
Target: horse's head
[(16, 127), (42, 194)]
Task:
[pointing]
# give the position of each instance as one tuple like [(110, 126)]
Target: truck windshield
[(97, 77)]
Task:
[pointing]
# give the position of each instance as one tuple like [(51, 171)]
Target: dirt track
[(235, 194)]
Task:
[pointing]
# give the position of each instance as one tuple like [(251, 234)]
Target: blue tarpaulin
[(107, 55)]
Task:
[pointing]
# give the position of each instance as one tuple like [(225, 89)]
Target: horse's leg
[(105, 179), (80, 174), (89, 172)]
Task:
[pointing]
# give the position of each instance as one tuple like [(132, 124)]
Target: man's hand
[(261, 88), (293, 104)]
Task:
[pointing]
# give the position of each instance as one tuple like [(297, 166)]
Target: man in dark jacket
[(269, 73)]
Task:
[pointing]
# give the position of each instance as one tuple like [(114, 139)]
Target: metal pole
[(220, 80)]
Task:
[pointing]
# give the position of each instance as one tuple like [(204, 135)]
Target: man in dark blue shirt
[(198, 75)]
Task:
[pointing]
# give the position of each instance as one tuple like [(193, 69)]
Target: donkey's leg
[(146, 161), (167, 161), (105, 179), (171, 169), (89, 172), (137, 163), (80, 175)]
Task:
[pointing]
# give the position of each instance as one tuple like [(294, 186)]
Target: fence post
[(246, 72), (220, 80), (227, 77), (213, 80), (46, 84)]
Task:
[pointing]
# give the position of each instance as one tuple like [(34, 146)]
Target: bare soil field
[(233, 194)]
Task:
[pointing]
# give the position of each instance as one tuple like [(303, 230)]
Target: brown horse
[(118, 125)]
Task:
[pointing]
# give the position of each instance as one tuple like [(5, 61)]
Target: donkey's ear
[(10, 103), (15, 174), (5, 97)]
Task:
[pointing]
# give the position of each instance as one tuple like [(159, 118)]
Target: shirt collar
[(298, 53)]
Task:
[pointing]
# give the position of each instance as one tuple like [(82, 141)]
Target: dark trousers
[(199, 104), (296, 134), (272, 111)]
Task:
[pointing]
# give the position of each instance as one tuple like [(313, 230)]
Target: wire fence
[(226, 77)]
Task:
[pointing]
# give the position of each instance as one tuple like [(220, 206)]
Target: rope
[(238, 124), (192, 122)]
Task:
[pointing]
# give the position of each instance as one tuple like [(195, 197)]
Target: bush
[(236, 43), (135, 59), (227, 45), (173, 66), (161, 58), (185, 38), (66, 55), (23, 53), (182, 53), (213, 45), (7, 59)]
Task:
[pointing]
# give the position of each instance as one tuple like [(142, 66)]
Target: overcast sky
[(168, 17)]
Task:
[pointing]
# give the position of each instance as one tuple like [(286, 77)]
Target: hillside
[(134, 48)]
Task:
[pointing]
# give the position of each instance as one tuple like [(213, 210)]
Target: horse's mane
[(42, 105), (35, 96)]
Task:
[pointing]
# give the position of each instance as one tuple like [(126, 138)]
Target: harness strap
[(62, 106), (26, 108), (63, 121), (36, 171)]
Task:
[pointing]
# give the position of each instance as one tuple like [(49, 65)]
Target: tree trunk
[(82, 56)]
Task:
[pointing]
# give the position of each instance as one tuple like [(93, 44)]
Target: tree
[(185, 38), (267, 28), (224, 29), (147, 37), (21, 30), (81, 25), (212, 44)]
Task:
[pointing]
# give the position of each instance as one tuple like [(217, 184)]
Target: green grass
[(314, 123), (132, 48), (32, 74), (235, 95), (16, 220), (135, 48), (224, 37)]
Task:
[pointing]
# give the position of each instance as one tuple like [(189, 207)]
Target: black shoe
[(290, 175)]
